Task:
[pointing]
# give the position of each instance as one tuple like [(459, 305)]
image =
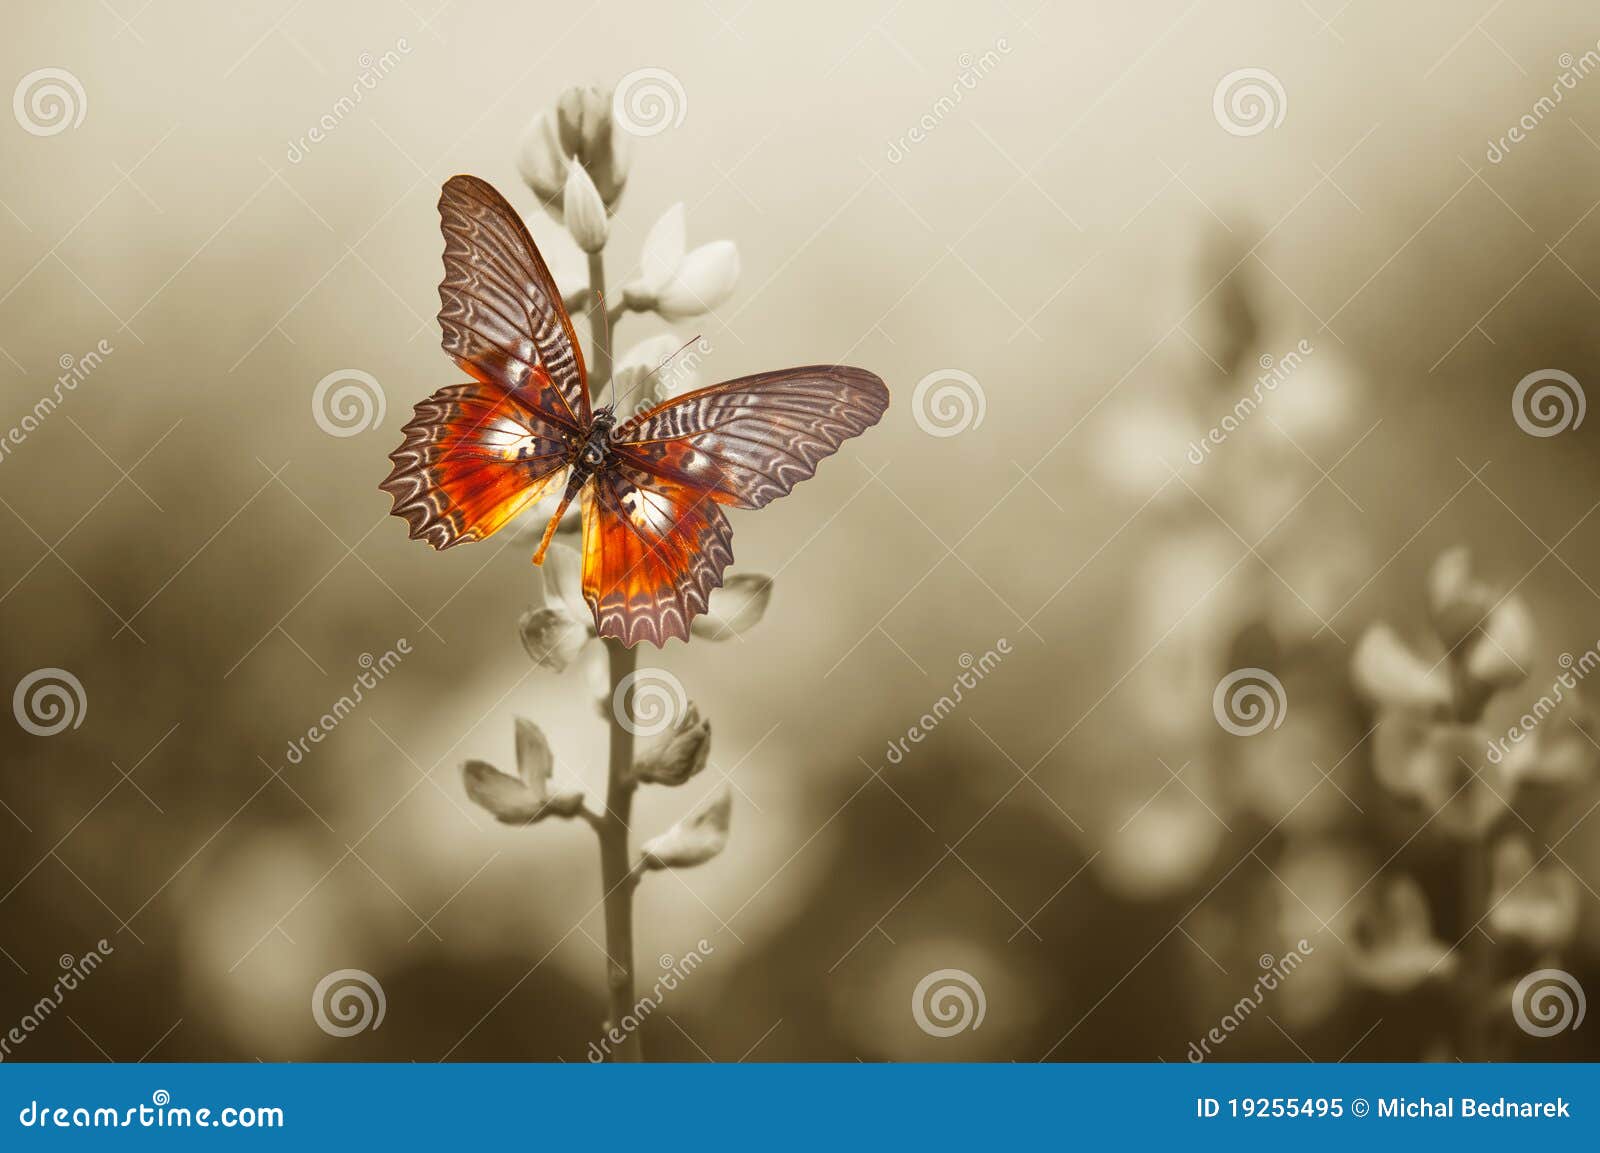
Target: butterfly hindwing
[(500, 310), (652, 552), (749, 441), (474, 456)]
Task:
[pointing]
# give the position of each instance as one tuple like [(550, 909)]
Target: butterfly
[(652, 486)]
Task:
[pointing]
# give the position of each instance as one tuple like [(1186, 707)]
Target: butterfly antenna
[(605, 336), (692, 340)]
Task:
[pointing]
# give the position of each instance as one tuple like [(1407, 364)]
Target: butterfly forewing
[(500, 310), (749, 441)]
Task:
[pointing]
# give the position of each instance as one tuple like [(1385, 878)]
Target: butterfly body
[(652, 487)]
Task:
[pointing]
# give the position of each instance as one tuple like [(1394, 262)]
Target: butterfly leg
[(575, 483)]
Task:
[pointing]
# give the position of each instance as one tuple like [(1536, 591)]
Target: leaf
[(677, 755), (735, 608), (693, 840), (526, 798)]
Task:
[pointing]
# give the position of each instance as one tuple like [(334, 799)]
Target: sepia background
[(1243, 680)]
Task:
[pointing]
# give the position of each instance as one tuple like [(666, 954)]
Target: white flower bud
[(584, 211)]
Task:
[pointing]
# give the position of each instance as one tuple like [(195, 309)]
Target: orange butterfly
[(655, 540)]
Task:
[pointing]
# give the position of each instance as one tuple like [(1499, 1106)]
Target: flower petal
[(704, 280), (563, 584), (679, 754), (542, 162), (695, 839), (735, 607), (551, 637), (1387, 670), (1457, 601), (664, 247), (584, 211), (1501, 655), (511, 801), (637, 364)]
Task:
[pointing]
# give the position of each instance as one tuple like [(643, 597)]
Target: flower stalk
[(577, 164), (617, 876)]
